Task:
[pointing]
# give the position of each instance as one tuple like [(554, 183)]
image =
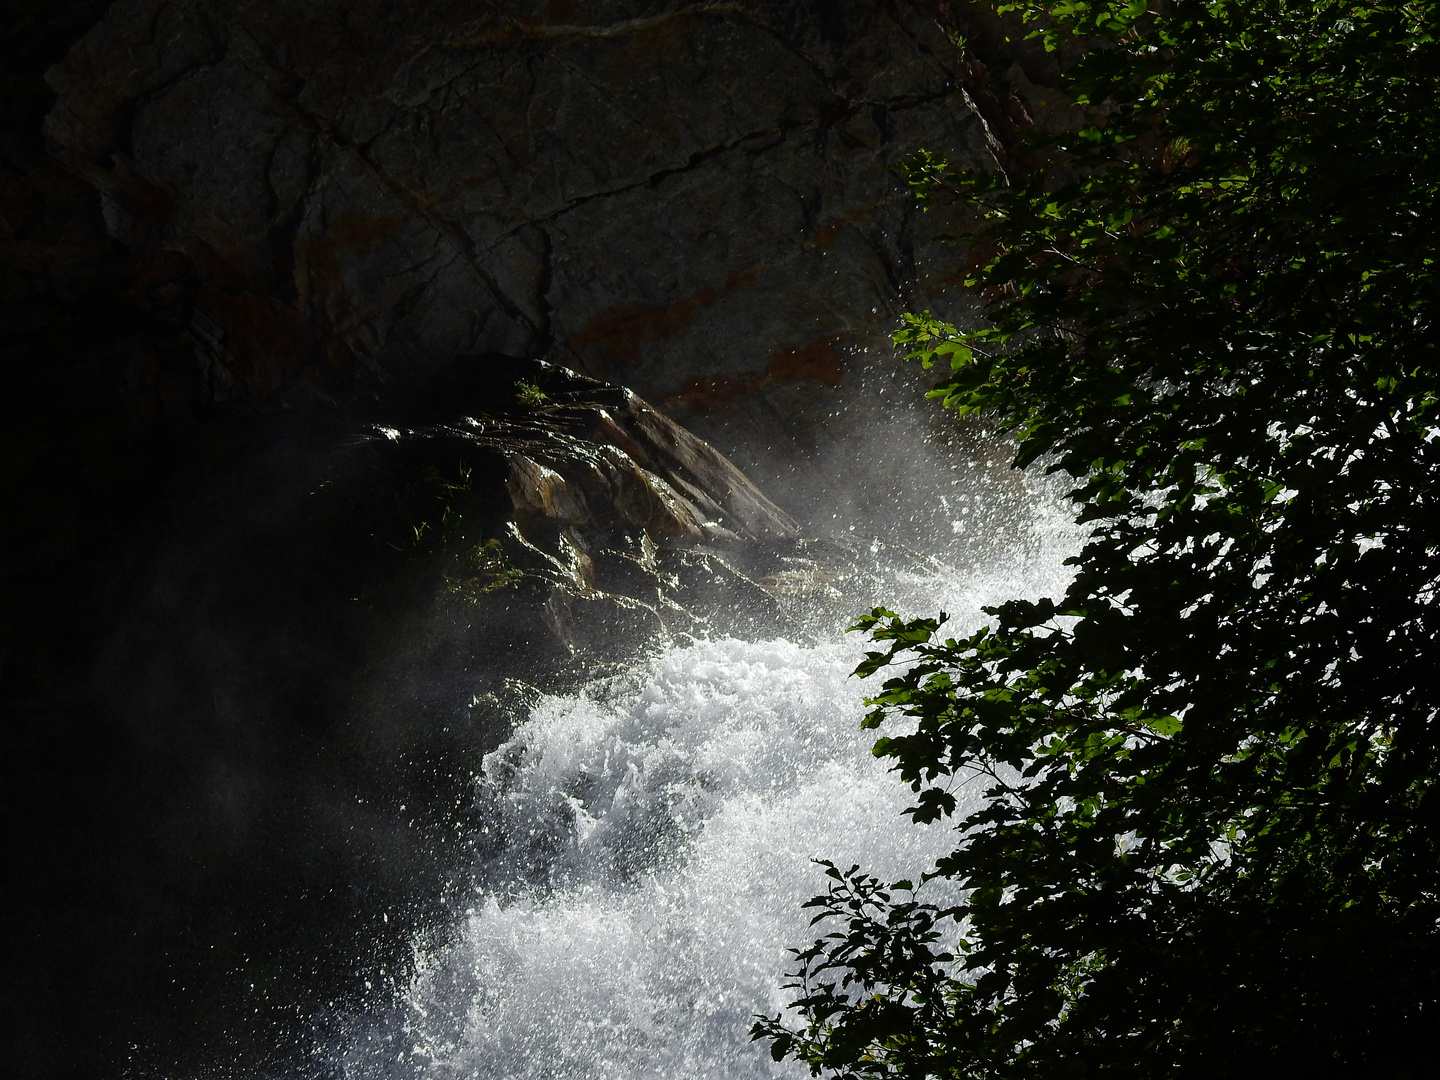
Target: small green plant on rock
[(487, 569), (438, 529), (530, 396)]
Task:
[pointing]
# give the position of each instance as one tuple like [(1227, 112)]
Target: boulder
[(579, 495)]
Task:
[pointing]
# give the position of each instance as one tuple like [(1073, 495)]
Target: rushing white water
[(648, 846)]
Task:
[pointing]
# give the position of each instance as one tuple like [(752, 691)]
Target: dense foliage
[(1208, 841)]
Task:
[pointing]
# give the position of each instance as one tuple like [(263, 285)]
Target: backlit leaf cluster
[(1208, 840)]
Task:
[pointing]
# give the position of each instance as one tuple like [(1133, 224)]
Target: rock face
[(573, 505), (692, 199), (586, 455), (552, 510)]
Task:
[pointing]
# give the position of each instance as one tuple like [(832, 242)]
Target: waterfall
[(646, 847)]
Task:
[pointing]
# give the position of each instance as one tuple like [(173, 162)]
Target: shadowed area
[(279, 570)]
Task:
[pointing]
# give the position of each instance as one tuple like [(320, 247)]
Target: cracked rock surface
[(693, 199)]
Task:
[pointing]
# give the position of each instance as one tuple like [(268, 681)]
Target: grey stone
[(694, 199)]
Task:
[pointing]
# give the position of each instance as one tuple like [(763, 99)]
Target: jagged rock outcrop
[(578, 504), (693, 199), (587, 455), (554, 508)]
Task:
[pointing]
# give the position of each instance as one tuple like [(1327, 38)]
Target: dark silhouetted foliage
[(1207, 844)]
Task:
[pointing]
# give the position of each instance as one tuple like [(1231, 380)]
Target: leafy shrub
[(1208, 842)]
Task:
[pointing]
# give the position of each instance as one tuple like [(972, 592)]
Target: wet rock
[(620, 527), (556, 486)]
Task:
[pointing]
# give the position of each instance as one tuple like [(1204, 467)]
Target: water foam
[(646, 849)]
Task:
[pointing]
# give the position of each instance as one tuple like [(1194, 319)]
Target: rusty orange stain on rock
[(622, 331), (268, 342), (224, 261), (825, 235), (352, 233), (705, 395), (140, 198), (556, 11), (152, 279), (818, 362)]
